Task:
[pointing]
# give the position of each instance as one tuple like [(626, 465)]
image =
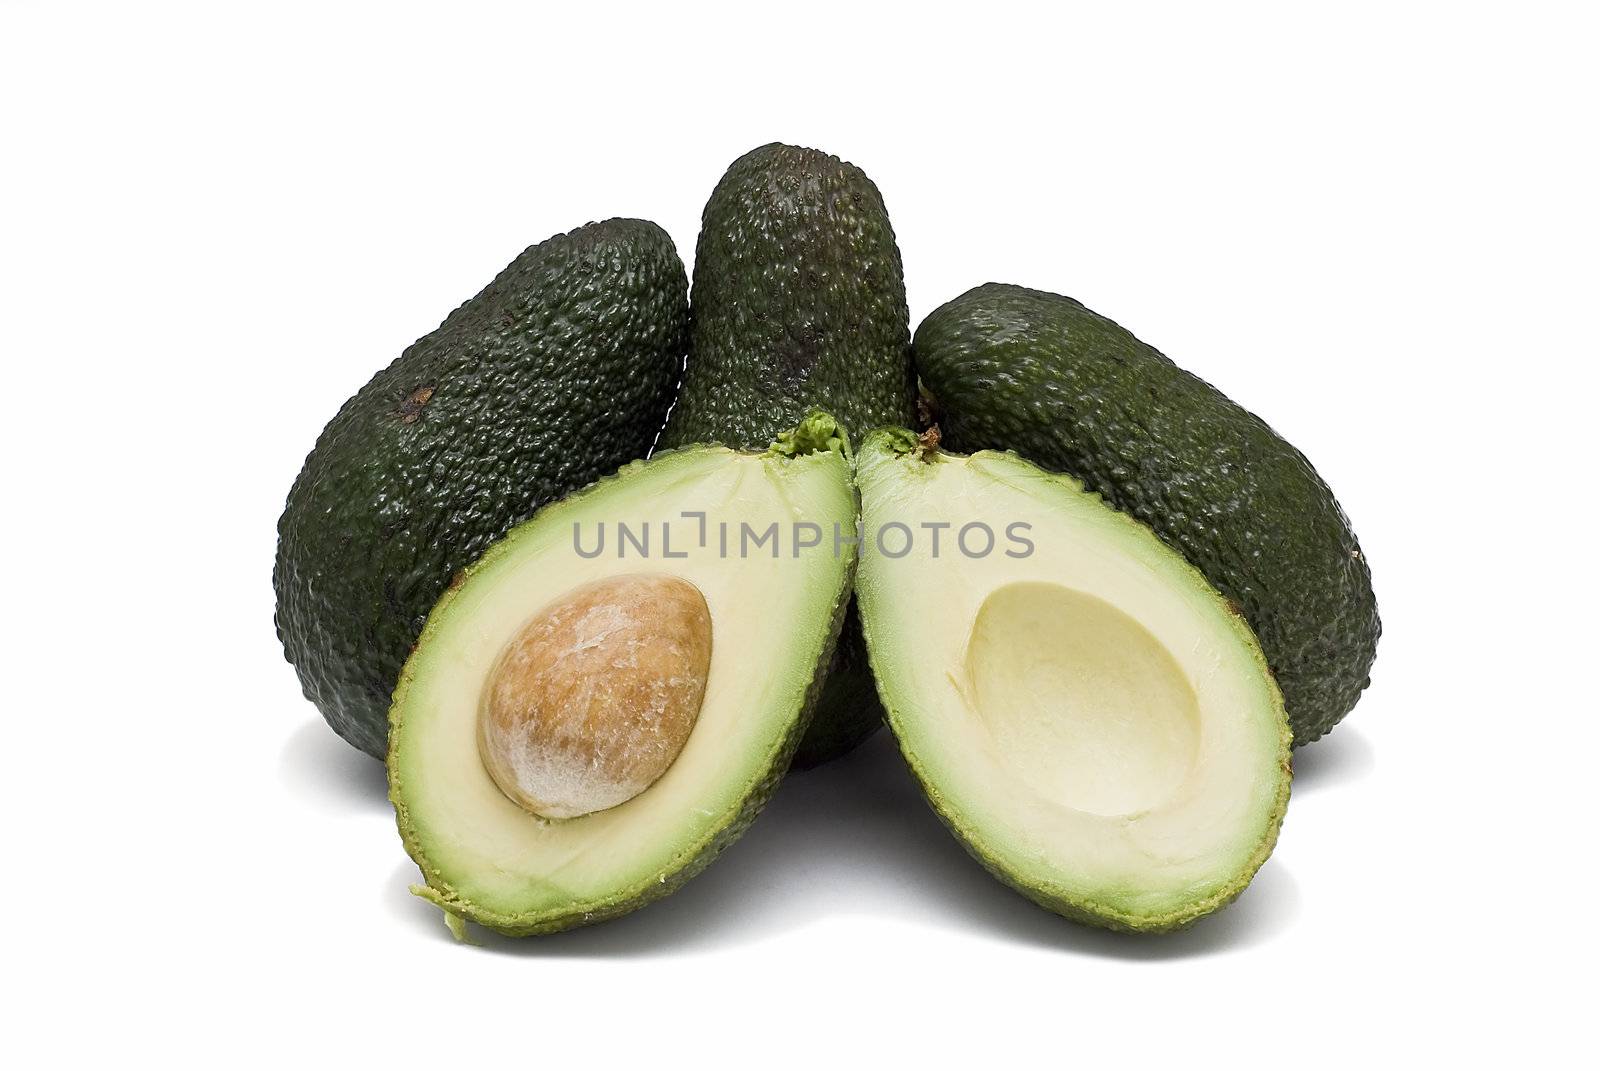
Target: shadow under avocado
[(1340, 758), (856, 837), (316, 764)]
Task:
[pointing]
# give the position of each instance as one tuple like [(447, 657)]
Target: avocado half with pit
[(1092, 720), (606, 699)]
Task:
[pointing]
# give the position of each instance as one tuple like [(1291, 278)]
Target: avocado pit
[(594, 698)]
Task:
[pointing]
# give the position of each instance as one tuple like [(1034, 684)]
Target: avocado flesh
[(1038, 373), (799, 302), (558, 372), (774, 622), (1092, 720)]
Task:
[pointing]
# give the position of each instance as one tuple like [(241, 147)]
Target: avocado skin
[(559, 371), (1038, 373), (848, 709), (799, 303)]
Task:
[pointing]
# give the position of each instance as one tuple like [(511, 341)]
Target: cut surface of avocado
[(639, 661), (1093, 721)]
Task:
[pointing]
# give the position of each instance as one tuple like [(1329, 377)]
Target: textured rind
[(1040, 374), (695, 859), (799, 302), (559, 371), (848, 710), (901, 441)]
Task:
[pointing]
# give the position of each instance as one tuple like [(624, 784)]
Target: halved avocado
[(1089, 717), (739, 555)]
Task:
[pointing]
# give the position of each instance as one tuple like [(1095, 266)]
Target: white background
[(1375, 225)]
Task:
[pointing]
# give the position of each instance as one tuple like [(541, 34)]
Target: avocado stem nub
[(817, 433)]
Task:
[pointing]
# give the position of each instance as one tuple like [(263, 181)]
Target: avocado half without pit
[(1093, 721), (606, 699)]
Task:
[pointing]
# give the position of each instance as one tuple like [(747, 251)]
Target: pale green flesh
[(1082, 702), (1092, 719), (771, 618)]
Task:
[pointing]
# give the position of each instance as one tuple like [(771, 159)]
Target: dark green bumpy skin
[(799, 303), (1038, 373), (561, 370)]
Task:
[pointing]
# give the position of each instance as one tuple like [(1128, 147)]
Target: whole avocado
[(1038, 373), (799, 304), (561, 370)]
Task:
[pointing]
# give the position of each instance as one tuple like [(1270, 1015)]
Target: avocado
[(606, 699), (559, 371), (1040, 374), (799, 302), (1094, 722)]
